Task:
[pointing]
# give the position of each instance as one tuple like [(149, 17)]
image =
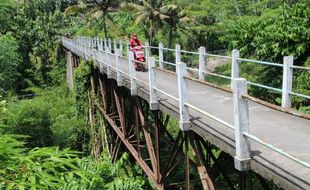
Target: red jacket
[(133, 43)]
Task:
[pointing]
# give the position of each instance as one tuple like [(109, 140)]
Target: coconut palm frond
[(187, 19), (94, 12), (169, 8), (147, 6), (97, 14), (141, 17), (74, 9), (80, 8), (110, 18), (131, 7), (164, 17)]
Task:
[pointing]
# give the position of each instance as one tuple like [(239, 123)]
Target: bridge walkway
[(288, 132)]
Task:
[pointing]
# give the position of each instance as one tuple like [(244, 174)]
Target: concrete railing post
[(101, 44), (117, 63), (161, 55), (108, 63), (128, 48), (241, 122), (152, 84), (184, 122), (100, 47), (177, 54), (132, 72), (234, 66), (97, 43), (105, 44), (101, 58), (287, 82), (202, 62), (121, 47), (147, 51), (114, 45), (110, 44)]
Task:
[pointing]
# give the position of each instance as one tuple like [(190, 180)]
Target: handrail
[(239, 60), (278, 150)]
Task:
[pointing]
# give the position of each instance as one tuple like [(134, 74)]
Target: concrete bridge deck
[(288, 132)]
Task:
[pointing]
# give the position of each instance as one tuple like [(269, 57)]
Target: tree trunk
[(105, 25), (170, 37)]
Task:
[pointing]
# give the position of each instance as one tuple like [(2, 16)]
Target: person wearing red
[(136, 47), (134, 41)]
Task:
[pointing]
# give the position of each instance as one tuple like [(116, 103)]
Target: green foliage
[(9, 62), (51, 168), (33, 120), (7, 11), (49, 119), (276, 34), (38, 30), (81, 79)]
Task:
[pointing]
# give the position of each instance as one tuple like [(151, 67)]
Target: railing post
[(114, 45), (93, 43), (105, 44), (161, 55), (234, 65), (147, 51), (108, 63), (152, 84), (287, 81), (110, 44), (132, 71), (97, 43), (184, 122), (121, 48), (118, 72), (241, 121), (202, 62), (100, 44), (101, 58), (177, 54), (128, 48)]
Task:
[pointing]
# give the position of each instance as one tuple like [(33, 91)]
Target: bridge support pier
[(70, 65)]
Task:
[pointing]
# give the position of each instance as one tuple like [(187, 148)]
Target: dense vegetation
[(46, 142)]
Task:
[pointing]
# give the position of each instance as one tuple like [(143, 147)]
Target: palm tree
[(147, 15), (176, 18), (95, 8)]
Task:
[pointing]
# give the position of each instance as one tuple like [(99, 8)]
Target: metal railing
[(287, 82), (87, 48)]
